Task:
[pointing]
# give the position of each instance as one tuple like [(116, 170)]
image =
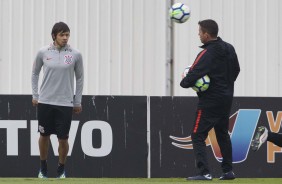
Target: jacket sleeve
[(36, 68), (200, 68), (79, 75), (234, 69)]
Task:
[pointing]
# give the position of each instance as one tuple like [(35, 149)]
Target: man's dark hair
[(209, 26), (59, 27)]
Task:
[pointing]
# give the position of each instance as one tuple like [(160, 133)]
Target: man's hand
[(77, 110), (34, 102)]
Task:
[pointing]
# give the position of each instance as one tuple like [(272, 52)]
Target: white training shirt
[(59, 68)]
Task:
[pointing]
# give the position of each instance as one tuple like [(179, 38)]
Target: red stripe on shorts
[(197, 121)]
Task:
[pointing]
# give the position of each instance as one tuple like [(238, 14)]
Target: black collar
[(210, 42)]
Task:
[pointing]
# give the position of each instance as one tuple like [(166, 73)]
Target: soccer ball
[(179, 12), (202, 84)]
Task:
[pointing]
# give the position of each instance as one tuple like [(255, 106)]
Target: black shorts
[(54, 119)]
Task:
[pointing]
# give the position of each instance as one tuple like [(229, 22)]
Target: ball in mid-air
[(179, 12)]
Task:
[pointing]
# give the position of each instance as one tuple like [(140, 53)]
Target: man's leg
[(63, 122), (199, 134), (199, 147), (63, 150), (43, 143), (275, 138), (262, 135), (224, 142)]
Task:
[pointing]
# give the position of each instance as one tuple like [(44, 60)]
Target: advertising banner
[(171, 146), (108, 139), (138, 136)]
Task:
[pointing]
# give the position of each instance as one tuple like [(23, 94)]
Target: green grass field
[(132, 181)]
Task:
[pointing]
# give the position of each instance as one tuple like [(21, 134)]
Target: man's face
[(203, 36), (62, 39)]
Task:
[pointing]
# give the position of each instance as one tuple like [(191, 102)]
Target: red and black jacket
[(219, 61)]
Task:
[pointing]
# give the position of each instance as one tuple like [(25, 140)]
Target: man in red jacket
[(219, 61)]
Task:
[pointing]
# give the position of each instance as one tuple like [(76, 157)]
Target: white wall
[(123, 43), (254, 27), (126, 43)]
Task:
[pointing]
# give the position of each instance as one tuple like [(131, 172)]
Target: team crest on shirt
[(68, 59)]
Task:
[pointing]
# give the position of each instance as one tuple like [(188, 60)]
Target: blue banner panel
[(108, 139)]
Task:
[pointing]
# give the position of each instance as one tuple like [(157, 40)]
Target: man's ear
[(207, 35)]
